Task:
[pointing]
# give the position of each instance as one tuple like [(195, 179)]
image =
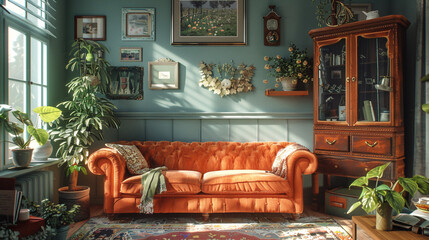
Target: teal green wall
[(57, 57), (192, 113), (190, 97)]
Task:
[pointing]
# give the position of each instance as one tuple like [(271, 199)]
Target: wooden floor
[(345, 223)]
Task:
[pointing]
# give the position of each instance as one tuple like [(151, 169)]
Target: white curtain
[(421, 122)]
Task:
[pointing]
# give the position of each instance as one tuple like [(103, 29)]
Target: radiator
[(36, 186)]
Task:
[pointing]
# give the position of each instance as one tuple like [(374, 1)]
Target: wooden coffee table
[(367, 223)]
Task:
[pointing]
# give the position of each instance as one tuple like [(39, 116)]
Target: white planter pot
[(42, 153), (288, 83), (22, 157)]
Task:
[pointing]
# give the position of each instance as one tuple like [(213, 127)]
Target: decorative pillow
[(133, 157), (279, 166)]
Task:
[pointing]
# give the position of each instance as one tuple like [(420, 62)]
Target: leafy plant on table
[(371, 198), (47, 114), (87, 113)]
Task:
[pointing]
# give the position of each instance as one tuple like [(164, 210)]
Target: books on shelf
[(368, 111), (10, 204), (417, 221)]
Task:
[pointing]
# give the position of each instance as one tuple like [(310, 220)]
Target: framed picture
[(126, 83), (131, 54), (336, 74), (209, 22), (90, 27), (357, 9), (163, 74), (138, 23)]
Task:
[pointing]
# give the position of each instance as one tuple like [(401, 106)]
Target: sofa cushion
[(177, 182), (136, 163), (243, 182)]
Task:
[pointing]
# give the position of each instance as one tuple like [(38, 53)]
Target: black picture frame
[(126, 83)]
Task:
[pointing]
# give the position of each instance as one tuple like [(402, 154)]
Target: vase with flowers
[(293, 72)]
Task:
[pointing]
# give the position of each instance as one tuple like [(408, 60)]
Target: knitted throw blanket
[(280, 163), (152, 180)]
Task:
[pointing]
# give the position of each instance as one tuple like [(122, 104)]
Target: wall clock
[(272, 28)]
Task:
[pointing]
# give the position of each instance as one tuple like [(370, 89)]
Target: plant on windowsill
[(383, 198), (22, 155), (84, 117)]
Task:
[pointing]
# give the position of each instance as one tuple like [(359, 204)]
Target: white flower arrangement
[(231, 80)]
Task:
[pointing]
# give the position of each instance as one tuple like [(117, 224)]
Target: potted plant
[(22, 155), (382, 198), (292, 72), (85, 116), (57, 216)]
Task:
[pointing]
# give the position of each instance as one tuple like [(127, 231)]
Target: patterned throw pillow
[(133, 157)]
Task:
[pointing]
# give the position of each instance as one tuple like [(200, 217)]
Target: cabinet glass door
[(332, 83), (374, 80)]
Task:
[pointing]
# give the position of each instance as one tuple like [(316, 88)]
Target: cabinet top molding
[(361, 25)]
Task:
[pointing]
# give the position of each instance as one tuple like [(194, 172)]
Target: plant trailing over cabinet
[(86, 114)]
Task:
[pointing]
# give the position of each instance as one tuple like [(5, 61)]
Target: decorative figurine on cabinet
[(272, 28)]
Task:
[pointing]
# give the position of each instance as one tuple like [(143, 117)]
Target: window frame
[(10, 21)]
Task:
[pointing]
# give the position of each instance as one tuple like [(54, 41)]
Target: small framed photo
[(163, 74), (336, 74), (357, 9), (125, 83), (130, 54), (138, 23), (90, 27)]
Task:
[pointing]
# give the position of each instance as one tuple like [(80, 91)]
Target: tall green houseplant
[(87, 113)]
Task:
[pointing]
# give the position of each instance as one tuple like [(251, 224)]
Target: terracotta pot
[(383, 217), (288, 83), (79, 197), (22, 157)]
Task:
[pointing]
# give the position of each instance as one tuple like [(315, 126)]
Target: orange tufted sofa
[(207, 177)]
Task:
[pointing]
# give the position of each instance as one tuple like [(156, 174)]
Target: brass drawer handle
[(331, 143), (371, 145), (347, 79), (353, 79), (335, 166)]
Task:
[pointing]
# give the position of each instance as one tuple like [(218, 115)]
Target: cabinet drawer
[(372, 145), (351, 168), (332, 142)]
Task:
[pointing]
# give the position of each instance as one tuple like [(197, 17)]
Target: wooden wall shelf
[(273, 93)]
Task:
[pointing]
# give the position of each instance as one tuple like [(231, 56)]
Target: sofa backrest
[(209, 156)]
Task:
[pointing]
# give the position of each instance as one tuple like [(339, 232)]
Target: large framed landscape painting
[(208, 22)]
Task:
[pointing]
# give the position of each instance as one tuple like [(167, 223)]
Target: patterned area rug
[(226, 228)]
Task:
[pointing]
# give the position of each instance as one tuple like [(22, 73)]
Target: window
[(27, 73), (36, 12), (23, 65)]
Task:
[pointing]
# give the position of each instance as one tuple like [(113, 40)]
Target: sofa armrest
[(304, 162), (300, 162), (110, 163)]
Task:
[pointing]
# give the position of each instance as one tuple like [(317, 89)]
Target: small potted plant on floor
[(22, 155), (58, 217), (382, 198)]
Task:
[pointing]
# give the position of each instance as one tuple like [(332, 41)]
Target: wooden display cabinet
[(358, 98)]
